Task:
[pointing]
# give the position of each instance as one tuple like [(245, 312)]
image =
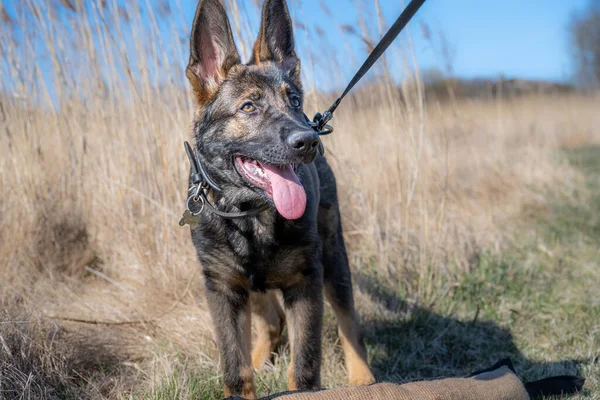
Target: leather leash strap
[(384, 43)]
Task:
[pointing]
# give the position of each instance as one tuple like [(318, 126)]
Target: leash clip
[(319, 123), (325, 118)]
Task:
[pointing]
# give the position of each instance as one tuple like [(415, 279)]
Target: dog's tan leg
[(338, 291), (355, 353), (268, 320), (290, 371)]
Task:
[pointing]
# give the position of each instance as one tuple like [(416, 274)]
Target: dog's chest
[(263, 254)]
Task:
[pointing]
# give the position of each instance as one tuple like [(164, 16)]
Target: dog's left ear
[(276, 38)]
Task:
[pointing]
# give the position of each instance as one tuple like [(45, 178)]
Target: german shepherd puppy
[(252, 138)]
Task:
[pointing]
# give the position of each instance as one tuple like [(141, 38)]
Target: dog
[(252, 138)]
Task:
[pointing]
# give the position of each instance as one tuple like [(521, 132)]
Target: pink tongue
[(288, 192)]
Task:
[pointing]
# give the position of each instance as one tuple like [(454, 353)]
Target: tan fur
[(248, 391), (268, 320), (260, 51), (203, 93), (290, 371), (355, 355), (356, 360)]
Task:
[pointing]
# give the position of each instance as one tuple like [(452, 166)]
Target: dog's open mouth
[(278, 181)]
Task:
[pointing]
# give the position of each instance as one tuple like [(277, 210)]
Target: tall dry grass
[(93, 177)]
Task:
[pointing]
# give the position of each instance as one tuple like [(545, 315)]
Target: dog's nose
[(304, 142)]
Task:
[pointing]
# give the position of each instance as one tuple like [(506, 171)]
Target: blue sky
[(523, 38), (515, 38)]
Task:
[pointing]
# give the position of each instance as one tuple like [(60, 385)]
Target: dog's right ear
[(276, 38), (212, 50)]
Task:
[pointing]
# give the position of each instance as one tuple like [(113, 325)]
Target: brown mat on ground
[(499, 384)]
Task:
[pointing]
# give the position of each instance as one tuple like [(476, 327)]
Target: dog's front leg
[(304, 313), (230, 311)]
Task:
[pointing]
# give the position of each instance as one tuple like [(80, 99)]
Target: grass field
[(536, 301), (472, 225)]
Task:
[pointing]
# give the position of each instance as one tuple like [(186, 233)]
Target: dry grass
[(93, 177)]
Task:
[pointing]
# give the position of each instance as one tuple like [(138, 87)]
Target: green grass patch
[(538, 302)]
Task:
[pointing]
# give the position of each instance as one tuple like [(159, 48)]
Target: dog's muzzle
[(304, 145)]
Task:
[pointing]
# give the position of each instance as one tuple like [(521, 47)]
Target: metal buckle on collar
[(191, 217), (196, 197)]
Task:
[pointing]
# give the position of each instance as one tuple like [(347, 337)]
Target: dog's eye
[(248, 108), (295, 101)]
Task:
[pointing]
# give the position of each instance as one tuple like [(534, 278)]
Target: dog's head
[(250, 127)]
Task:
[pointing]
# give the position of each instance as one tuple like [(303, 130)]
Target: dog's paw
[(363, 378)]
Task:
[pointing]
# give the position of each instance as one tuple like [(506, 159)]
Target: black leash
[(201, 181), (319, 122)]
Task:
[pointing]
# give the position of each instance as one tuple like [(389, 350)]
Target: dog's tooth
[(255, 171)]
